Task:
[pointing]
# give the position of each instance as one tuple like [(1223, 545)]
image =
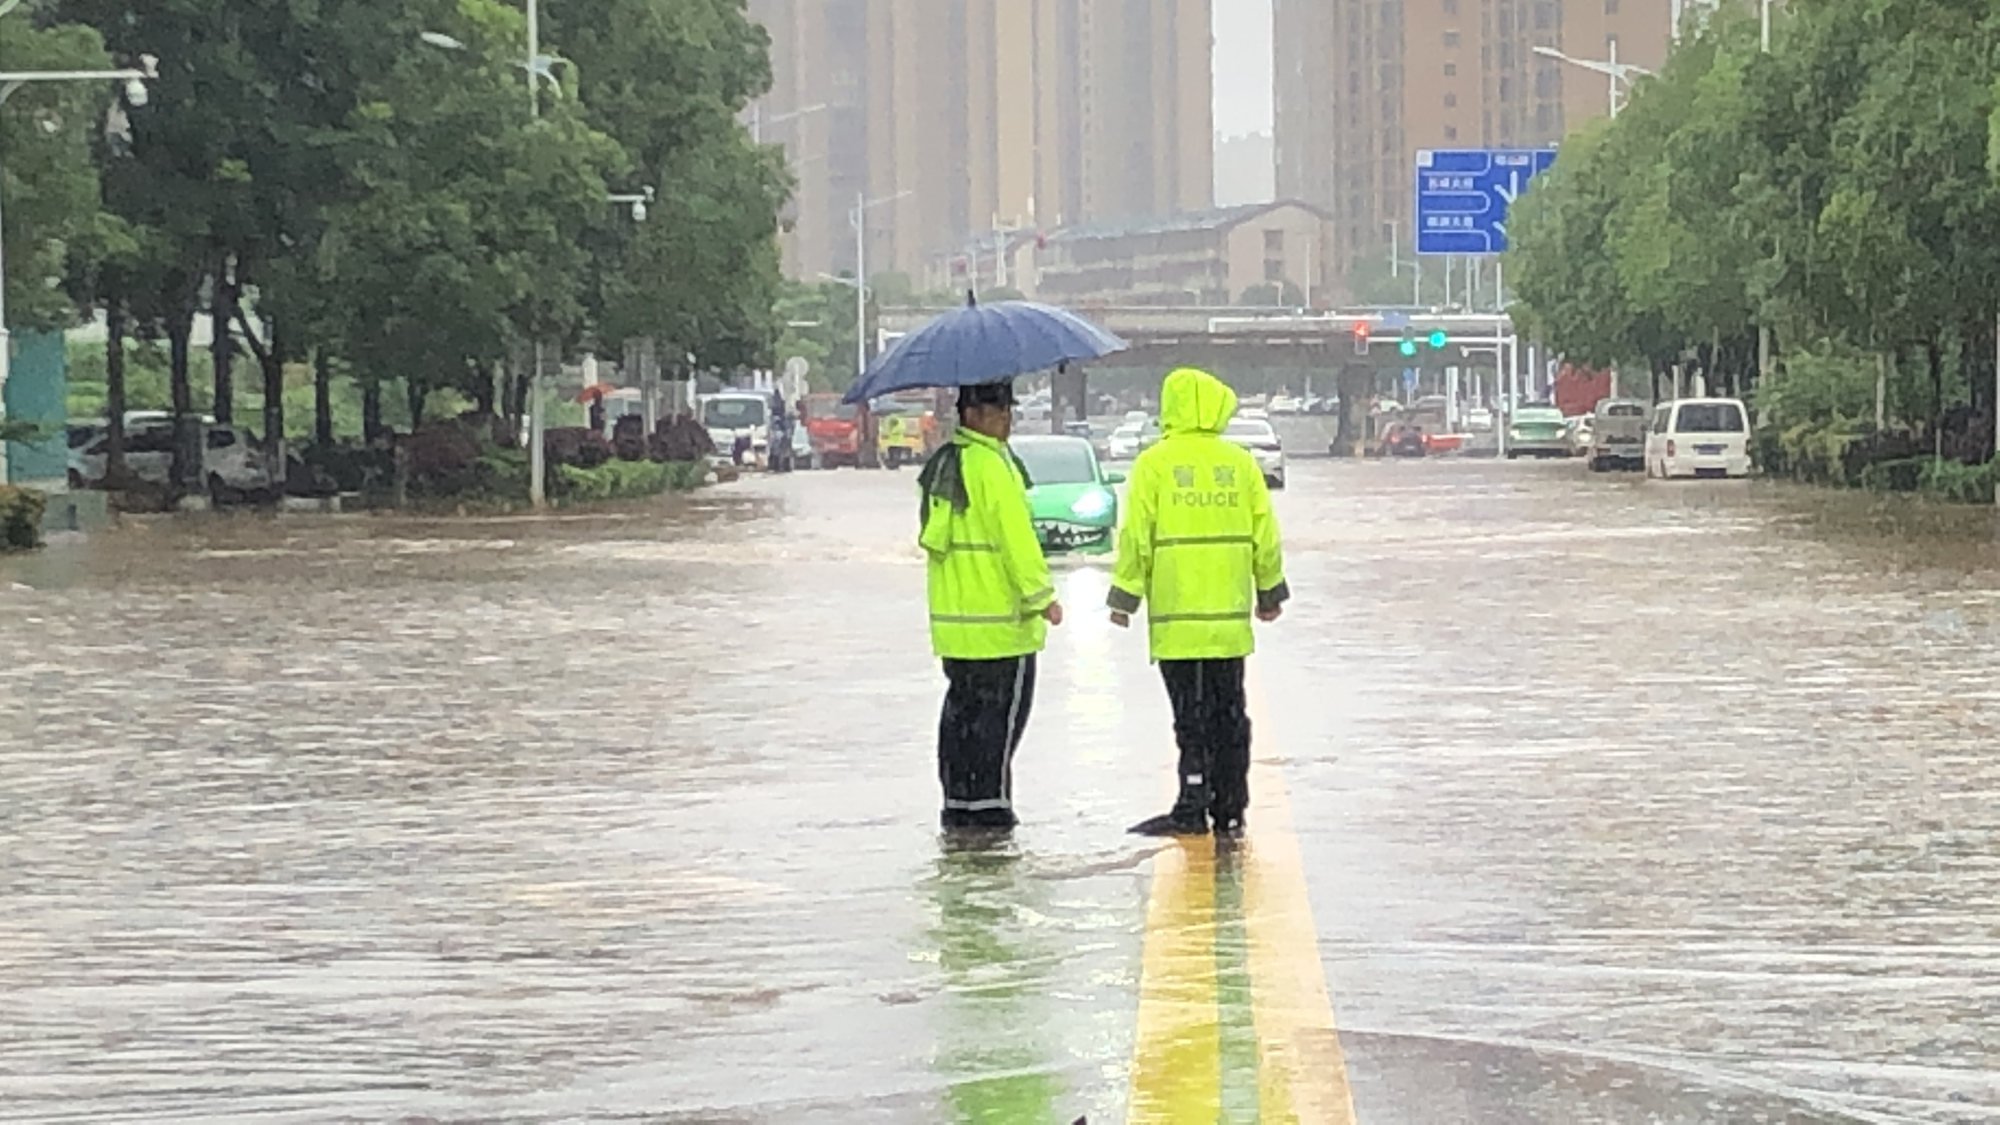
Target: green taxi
[(1070, 494)]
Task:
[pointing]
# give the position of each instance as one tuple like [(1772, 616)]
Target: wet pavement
[(1578, 800)]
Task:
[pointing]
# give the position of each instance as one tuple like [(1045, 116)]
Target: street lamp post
[(859, 219), (10, 82), (758, 120), (539, 67), (1618, 72)]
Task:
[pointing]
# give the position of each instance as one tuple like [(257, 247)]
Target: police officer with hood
[(991, 603), (1199, 548)]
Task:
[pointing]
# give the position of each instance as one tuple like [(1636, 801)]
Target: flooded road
[(1612, 802)]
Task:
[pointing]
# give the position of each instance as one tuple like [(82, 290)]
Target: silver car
[(1257, 436)]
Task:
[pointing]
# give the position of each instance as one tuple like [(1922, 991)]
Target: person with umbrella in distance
[(1200, 549), (991, 604), (991, 598)]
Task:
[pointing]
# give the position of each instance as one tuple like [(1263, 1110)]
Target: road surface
[(1577, 800)]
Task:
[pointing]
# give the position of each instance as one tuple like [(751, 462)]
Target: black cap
[(986, 394)]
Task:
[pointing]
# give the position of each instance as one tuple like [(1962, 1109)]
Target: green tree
[(47, 177)]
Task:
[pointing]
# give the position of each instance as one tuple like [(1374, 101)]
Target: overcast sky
[(1242, 66)]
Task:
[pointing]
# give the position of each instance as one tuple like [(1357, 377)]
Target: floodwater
[(1614, 802)]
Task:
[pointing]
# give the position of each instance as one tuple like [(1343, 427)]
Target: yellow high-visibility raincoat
[(1199, 546)]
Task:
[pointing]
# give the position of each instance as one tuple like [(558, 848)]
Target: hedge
[(617, 480)]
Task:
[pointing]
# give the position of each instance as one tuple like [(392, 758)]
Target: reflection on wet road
[(1614, 803)]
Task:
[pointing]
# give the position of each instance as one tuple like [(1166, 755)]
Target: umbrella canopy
[(984, 344)]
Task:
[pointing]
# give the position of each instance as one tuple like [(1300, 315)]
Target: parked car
[(1618, 435), (1257, 435), (1124, 442), (1070, 495), (1537, 431), (1703, 437), (232, 458), (1579, 435)]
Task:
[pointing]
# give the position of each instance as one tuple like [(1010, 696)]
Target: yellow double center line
[(1223, 913)]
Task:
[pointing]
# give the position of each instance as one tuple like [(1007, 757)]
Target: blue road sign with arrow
[(1463, 196)]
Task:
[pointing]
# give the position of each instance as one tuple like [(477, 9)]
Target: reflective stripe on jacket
[(989, 582), (1199, 546)]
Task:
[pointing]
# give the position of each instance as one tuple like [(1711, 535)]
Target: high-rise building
[(991, 114), (1362, 85)]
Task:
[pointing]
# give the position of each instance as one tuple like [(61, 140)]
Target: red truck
[(835, 430)]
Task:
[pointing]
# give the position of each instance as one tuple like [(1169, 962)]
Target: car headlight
[(1091, 506)]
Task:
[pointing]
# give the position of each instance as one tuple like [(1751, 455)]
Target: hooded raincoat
[(988, 580), (1199, 547)]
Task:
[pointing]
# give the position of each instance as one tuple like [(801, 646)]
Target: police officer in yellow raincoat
[(1199, 548), (991, 603)]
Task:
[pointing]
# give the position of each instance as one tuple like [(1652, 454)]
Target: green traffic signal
[(1408, 346), (1438, 338)]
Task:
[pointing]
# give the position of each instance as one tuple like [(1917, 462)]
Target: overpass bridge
[(1372, 338)]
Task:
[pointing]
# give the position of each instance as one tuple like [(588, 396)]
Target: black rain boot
[(1172, 824), (1189, 816)]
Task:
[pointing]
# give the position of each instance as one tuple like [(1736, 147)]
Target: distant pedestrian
[(991, 603), (778, 455), (1200, 548)]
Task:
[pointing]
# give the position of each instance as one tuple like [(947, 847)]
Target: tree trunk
[(114, 390), (222, 311), (189, 440), (1934, 356), (416, 392), (482, 394), (273, 361), (371, 411), (322, 398), (1979, 363)]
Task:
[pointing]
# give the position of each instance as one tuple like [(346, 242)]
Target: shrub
[(616, 480), (20, 518), (1960, 483)]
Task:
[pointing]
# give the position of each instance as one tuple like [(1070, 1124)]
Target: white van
[(730, 415), (1699, 437)]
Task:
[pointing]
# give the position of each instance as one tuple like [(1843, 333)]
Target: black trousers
[(1212, 726), (985, 711)]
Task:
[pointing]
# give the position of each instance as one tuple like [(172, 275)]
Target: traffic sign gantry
[(1463, 196)]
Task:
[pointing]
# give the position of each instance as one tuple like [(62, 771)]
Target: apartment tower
[(991, 114), (1362, 85)]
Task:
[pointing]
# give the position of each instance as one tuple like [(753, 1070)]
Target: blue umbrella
[(984, 344)]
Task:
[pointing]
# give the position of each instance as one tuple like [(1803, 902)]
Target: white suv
[(230, 457)]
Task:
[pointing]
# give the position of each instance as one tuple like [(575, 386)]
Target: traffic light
[(1438, 338), (1408, 346), (1360, 337)]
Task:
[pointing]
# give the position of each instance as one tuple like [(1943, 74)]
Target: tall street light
[(1618, 72), (758, 120), (11, 81), (540, 67), (858, 218)]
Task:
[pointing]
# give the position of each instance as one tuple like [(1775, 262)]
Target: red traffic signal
[(1361, 330)]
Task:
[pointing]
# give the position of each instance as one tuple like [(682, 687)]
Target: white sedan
[(1257, 436)]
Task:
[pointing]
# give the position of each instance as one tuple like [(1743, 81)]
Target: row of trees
[(372, 189), (1830, 201)]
